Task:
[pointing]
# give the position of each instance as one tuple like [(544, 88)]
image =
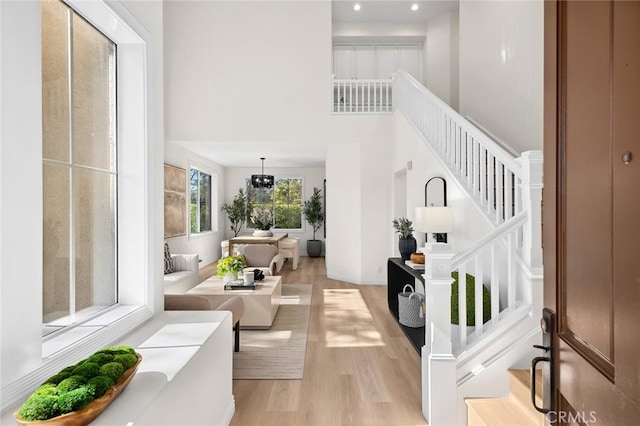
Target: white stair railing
[(508, 190), (490, 173), (362, 96)]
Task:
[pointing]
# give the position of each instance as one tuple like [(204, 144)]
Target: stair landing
[(514, 410)]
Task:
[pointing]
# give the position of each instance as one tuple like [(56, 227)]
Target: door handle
[(532, 386)]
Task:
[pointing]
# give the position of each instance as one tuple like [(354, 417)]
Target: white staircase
[(513, 410), (473, 363)]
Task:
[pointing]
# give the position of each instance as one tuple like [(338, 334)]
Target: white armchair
[(185, 274), (264, 257)]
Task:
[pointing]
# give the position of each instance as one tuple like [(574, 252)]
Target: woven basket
[(409, 303)]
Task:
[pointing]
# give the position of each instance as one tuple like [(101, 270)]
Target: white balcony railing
[(362, 96)]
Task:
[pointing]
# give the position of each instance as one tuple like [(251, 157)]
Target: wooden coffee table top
[(214, 286)]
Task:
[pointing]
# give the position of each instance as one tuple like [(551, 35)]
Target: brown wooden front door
[(591, 213)]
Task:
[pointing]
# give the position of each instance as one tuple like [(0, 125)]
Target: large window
[(200, 205), (79, 168), (284, 200)]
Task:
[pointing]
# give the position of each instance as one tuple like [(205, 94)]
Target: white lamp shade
[(433, 219)]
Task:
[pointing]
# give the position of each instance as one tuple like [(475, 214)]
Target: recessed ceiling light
[(415, 7), (356, 7)]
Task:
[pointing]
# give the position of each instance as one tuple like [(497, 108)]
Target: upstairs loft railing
[(362, 96)]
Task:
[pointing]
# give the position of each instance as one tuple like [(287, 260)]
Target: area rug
[(277, 353)]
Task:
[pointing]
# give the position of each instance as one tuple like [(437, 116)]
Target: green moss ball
[(113, 370), (71, 383), (75, 400), (100, 385), (57, 378), (100, 358), (127, 360), (46, 389), (118, 350), (87, 369), (39, 407)]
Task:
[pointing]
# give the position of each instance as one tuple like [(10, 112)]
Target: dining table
[(251, 239)]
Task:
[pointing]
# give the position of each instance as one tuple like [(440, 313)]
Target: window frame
[(76, 167), (302, 198), (139, 243), (214, 200)]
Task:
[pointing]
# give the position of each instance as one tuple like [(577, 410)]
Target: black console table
[(398, 275)]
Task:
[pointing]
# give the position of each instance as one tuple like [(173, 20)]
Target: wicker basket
[(409, 305)]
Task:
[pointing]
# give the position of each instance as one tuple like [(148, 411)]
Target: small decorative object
[(406, 244), (312, 211), (471, 301), (410, 313), (262, 220), (76, 395), (238, 211), (417, 258), (229, 266)]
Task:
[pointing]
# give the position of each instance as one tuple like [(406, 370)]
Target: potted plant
[(312, 211), (229, 266), (237, 211), (406, 244), (262, 219)]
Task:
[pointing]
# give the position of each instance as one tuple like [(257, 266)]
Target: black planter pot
[(314, 248), (407, 246)]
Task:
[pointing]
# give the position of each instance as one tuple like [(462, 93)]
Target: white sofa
[(185, 274)]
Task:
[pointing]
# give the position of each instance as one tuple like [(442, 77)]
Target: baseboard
[(229, 411)]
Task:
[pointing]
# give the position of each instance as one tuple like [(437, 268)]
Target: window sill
[(70, 346)]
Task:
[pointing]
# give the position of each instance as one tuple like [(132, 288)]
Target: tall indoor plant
[(406, 244), (312, 211), (237, 211)]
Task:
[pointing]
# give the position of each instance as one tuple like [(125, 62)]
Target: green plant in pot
[(229, 266), (312, 211), (237, 211), (406, 244)]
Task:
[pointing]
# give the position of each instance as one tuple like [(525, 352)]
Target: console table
[(398, 275)]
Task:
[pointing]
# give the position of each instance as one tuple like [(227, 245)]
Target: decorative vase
[(407, 246), (314, 248), (262, 233), (228, 277)]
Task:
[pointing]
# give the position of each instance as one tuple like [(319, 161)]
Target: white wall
[(501, 69), (248, 71), (441, 58), (20, 189), (469, 224), (205, 245), (313, 178), (20, 175)]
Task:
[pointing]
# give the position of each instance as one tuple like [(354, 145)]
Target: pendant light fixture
[(262, 180)]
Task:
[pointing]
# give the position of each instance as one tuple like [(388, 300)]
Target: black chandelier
[(262, 180)]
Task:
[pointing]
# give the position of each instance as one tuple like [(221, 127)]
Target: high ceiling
[(233, 154), (390, 11)]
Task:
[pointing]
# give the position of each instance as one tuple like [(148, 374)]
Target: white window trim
[(214, 201), (135, 286), (303, 222)]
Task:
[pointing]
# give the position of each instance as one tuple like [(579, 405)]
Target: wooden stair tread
[(520, 383), (499, 412)]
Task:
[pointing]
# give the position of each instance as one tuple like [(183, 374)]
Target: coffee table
[(260, 305)]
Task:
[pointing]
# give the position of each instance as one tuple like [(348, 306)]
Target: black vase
[(407, 246)]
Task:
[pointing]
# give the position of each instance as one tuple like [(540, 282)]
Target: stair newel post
[(438, 362), (531, 190)]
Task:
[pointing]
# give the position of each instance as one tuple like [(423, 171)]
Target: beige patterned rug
[(277, 353)]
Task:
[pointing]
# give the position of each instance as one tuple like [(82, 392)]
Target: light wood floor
[(359, 369)]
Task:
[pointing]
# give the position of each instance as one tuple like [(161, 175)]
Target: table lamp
[(436, 220)]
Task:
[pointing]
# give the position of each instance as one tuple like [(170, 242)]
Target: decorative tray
[(92, 410)]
